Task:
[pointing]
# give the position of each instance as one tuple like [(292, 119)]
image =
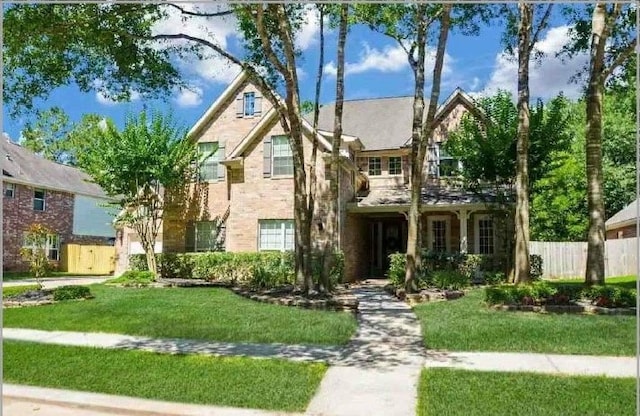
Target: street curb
[(130, 405)]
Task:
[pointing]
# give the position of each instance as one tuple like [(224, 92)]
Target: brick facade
[(623, 232), (18, 215)]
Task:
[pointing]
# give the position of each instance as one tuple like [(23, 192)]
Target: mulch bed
[(425, 295), (30, 298), (574, 309)]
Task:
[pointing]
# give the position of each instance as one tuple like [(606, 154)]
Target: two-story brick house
[(247, 182), (36, 190)]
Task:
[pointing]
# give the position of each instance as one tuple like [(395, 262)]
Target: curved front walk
[(378, 372)]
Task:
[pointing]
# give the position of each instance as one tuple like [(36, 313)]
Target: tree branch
[(258, 18), (199, 14), (622, 56), (541, 25)]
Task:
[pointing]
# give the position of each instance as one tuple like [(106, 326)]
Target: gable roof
[(21, 165), (384, 123), (624, 217)]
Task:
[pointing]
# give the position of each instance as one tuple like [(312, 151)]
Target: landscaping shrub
[(494, 278), (611, 296), (134, 278), (71, 292), (138, 262), (173, 266), (535, 266), (497, 295), (336, 272), (396, 273), (449, 279)]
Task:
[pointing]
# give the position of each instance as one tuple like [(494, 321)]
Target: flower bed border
[(425, 295), (342, 302), (572, 309)]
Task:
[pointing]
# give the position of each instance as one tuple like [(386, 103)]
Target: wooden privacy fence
[(569, 259), (88, 259)]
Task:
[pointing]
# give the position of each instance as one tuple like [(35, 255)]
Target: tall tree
[(135, 166), (410, 26), (47, 136), (610, 40), (47, 45)]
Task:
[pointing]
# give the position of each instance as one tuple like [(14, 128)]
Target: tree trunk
[(522, 147), (595, 240), (421, 133), (334, 184)]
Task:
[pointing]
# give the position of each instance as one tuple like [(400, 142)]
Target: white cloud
[(211, 67), (389, 59), (189, 97), (308, 35), (548, 77)]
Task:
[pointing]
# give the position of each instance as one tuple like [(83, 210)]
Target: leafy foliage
[(449, 279), (133, 278), (35, 252), (71, 292)]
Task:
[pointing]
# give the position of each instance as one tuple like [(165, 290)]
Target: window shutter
[(240, 105), (190, 237), (432, 160), (221, 156), (257, 105), (266, 155)]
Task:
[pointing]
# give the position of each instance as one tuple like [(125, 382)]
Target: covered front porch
[(374, 229)]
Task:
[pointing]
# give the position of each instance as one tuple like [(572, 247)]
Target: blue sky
[(376, 67)]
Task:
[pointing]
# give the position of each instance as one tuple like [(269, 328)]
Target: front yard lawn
[(467, 324), (628, 282), (469, 393), (224, 381), (192, 313), (17, 290)]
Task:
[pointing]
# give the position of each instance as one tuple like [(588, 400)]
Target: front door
[(388, 236)]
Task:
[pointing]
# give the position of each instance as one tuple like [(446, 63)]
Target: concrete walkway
[(378, 372), (20, 400), (308, 353), (51, 283), (579, 365)]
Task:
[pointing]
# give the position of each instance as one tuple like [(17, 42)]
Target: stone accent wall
[(18, 215)]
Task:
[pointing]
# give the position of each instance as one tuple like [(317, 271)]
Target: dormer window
[(249, 104)]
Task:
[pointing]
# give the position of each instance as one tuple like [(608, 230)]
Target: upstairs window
[(38, 199), (395, 165), (249, 104), (9, 190), (209, 159), (375, 166), (447, 165), (282, 157)]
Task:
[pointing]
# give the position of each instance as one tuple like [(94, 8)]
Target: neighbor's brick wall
[(623, 232)]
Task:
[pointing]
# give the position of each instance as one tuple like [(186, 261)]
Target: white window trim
[(283, 231), (244, 104), (12, 188), (438, 159), (44, 199), (389, 166), (447, 220), (273, 174), (48, 246), (476, 231), (201, 162), (369, 165)]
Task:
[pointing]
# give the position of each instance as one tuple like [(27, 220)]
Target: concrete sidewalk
[(307, 353), (51, 283), (19, 400), (578, 365)]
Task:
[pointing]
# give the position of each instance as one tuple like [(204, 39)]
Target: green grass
[(467, 324), (16, 290), (622, 281), (224, 381), (191, 313), (474, 393), (10, 276)]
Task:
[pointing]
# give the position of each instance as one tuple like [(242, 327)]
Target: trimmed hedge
[(71, 292), (543, 293), (263, 269)]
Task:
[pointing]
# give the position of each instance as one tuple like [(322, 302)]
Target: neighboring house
[(37, 190), (246, 183), (623, 223)]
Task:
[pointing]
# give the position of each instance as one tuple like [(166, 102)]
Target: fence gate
[(88, 259)]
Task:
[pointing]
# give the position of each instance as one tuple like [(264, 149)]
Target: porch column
[(462, 215)]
